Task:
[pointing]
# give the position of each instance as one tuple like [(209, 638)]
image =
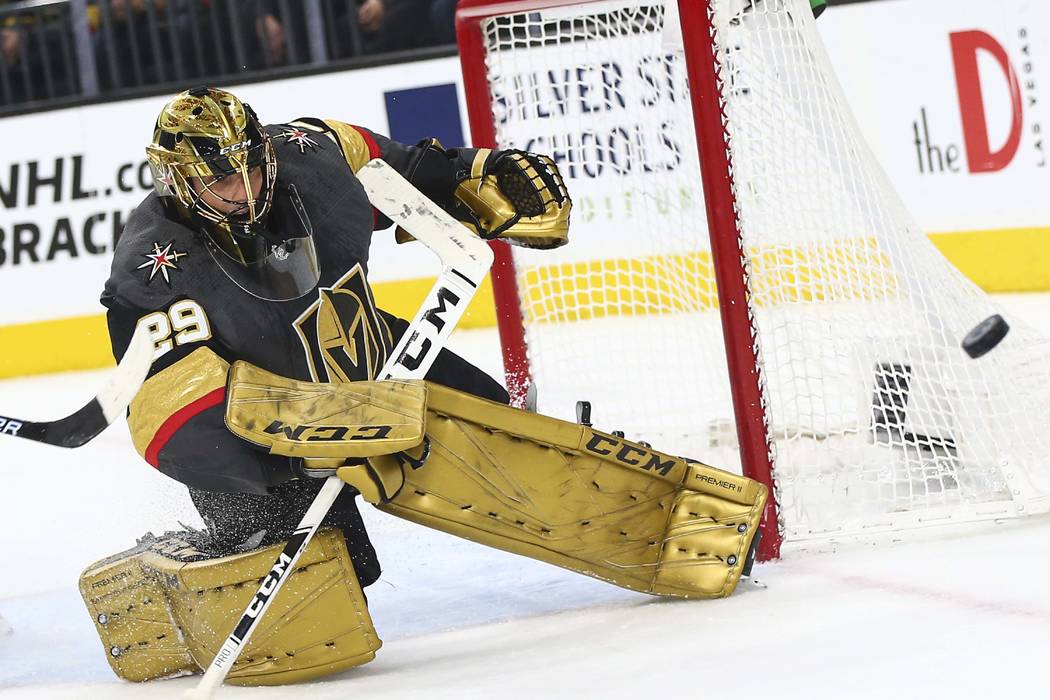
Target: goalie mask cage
[(763, 302)]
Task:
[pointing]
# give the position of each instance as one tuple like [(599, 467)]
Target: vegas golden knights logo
[(344, 337)]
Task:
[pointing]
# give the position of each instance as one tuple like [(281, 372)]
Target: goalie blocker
[(548, 489)]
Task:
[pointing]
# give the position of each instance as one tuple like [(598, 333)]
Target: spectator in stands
[(443, 21), (265, 44), (270, 32), (233, 37), (370, 15), (10, 45), (394, 25), (25, 38), (125, 52), (12, 89)]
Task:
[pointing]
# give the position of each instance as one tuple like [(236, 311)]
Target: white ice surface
[(955, 615)]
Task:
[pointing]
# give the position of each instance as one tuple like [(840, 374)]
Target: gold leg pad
[(164, 608), (579, 498)]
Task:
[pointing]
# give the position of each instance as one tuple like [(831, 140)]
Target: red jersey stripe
[(373, 147), (373, 152), (179, 419)]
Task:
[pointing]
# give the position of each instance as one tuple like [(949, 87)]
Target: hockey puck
[(985, 336)]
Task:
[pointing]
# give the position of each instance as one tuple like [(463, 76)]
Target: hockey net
[(873, 418)]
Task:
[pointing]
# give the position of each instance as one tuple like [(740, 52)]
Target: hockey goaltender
[(248, 266)]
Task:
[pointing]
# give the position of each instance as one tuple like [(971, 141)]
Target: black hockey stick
[(110, 402)]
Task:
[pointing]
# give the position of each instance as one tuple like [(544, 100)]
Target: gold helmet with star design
[(214, 167), (203, 136)]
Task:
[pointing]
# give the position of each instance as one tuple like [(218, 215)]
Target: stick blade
[(91, 419)]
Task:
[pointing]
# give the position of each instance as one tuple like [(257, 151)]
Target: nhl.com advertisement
[(34, 183)]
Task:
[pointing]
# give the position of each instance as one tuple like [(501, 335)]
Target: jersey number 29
[(186, 319)]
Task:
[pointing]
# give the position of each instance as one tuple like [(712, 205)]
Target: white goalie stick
[(91, 419), (465, 258)]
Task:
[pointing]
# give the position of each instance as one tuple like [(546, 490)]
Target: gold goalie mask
[(213, 164)]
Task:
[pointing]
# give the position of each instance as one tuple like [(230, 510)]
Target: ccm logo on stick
[(270, 584), (9, 427), (272, 579), (433, 315)]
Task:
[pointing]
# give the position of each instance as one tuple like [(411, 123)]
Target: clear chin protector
[(281, 260)]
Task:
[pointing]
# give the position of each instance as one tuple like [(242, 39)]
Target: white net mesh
[(879, 420)]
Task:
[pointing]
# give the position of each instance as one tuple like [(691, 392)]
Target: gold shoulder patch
[(174, 395), (356, 149)]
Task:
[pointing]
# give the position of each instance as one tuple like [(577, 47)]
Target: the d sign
[(979, 154)]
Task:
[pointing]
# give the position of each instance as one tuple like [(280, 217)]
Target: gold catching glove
[(518, 196), (514, 195)]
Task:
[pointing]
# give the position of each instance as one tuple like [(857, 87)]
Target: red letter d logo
[(965, 46)]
